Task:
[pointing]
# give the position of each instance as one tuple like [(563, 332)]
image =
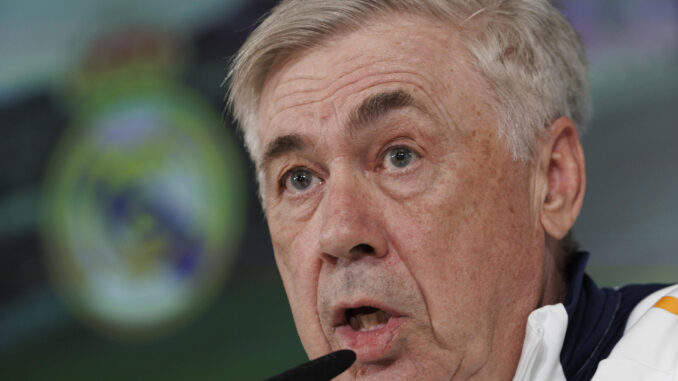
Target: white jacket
[(647, 351)]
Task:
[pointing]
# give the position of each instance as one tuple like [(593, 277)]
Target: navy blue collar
[(596, 319)]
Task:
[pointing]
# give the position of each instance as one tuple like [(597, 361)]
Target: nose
[(351, 225)]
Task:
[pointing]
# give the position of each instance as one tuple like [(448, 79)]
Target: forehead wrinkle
[(337, 84), (278, 109), (376, 27), (419, 104), (414, 78)]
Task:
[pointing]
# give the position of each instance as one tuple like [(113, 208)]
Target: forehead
[(418, 54)]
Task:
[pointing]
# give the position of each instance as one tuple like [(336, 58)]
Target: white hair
[(529, 54)]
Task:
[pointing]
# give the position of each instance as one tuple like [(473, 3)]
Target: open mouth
[(368, 327), (366, 318)]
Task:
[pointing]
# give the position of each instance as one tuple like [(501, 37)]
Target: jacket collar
[(561, 340)]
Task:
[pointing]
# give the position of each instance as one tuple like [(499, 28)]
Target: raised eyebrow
[(371, 109), (281, 146), (377, 106)]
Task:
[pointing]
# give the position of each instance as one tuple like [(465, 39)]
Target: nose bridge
[(350, 224)]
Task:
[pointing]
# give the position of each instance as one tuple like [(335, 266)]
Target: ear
[(562, 170)]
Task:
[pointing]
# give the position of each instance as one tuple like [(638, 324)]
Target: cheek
[(299, 268), (286, 237), (295, 256), (467, 240)]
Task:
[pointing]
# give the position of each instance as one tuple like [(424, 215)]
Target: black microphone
[(323, 368)]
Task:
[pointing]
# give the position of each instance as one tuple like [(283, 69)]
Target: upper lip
[(339, 310)]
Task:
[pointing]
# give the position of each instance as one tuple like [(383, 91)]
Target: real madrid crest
[(144, 199)]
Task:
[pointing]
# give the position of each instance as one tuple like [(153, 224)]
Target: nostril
[(362, 248)]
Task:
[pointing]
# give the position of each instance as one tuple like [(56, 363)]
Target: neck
[(554, 283)]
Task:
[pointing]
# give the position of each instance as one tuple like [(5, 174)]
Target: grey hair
[(529, 54)]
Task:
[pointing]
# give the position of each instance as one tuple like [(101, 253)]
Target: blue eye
[(400, 157), (300, 179)]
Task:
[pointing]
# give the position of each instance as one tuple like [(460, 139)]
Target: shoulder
[(647, 302), (648, 349)]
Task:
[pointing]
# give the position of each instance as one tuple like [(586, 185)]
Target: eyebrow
[(369, 111), (377, 106), (281, 146)]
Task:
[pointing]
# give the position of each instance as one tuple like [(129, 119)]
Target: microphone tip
[(323, 368)]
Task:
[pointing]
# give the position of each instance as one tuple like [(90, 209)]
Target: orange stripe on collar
[(668, 303)]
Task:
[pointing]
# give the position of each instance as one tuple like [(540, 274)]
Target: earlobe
[(562, 166)]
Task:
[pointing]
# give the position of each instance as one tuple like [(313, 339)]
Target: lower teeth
[(365, 322)]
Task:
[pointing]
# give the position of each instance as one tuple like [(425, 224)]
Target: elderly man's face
[(401, 226)]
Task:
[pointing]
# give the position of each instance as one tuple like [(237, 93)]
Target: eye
[(299, 179), (400, 157)]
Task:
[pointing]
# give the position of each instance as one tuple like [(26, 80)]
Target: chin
[(401, 368)]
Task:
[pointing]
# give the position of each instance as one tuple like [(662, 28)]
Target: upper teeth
[(366, 322)]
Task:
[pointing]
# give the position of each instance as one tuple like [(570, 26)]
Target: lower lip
[(373, 344)]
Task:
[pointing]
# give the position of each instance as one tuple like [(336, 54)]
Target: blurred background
[(131, 241)]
